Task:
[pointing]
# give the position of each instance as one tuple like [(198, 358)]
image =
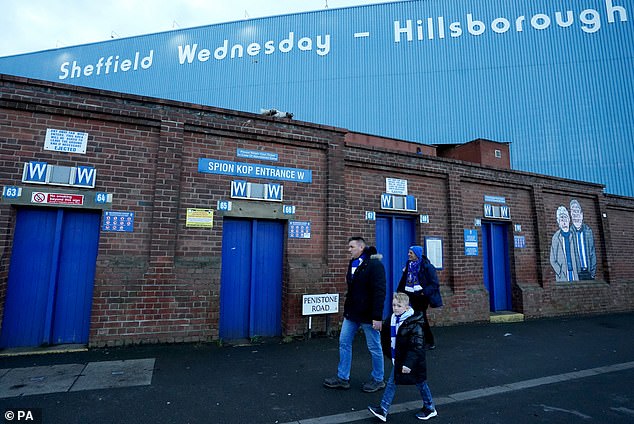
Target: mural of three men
[(572, 253)]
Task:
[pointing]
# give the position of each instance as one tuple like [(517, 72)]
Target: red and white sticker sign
[(56, 198)]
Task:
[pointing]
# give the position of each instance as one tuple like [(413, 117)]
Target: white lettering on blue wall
[(188, 53), (589, 21), (105, 66)]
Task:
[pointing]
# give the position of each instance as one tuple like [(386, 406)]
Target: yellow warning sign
[(202, 218)]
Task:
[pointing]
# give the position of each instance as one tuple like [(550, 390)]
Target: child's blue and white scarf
[(395, 323)]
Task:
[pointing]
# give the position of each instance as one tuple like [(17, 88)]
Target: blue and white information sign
[(256, 154), (101, 198), (299, 229), (223, 205), (494, 199), (520, 242), (118, 221), (11, 192), (471, 242), (254, 170)]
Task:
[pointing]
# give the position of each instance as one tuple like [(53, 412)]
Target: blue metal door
[(25, 306), (251, 278), (266, 282), (394, 235), (495, 264), (76, 276), (51, 276)]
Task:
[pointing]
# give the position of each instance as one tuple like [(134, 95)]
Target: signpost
[(317, 304)]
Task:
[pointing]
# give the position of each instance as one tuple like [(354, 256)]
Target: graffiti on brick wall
[(572, 253)]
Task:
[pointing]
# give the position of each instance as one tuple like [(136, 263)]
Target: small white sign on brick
[(315, 304)]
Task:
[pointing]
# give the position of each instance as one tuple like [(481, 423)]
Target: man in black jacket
[(363, 308)]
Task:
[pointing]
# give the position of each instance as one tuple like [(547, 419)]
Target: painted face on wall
[(576, 214), (563, 219)]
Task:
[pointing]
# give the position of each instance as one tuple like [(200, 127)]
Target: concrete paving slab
[(39, 380), (112, 374)]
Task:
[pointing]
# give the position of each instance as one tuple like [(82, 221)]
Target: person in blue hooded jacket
[(420, 282)]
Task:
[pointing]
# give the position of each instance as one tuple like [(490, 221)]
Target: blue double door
[(496, 265), (51, 277), (394, 235), (251, 278)]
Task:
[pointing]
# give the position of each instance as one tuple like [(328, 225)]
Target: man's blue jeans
[(373, 340), (390, 391)]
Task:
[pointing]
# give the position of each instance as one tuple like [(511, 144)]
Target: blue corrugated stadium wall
[(555, 79)]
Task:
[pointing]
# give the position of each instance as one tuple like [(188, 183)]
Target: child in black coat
[(403, 339)]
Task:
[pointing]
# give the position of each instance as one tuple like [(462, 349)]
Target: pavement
[(560, 370)]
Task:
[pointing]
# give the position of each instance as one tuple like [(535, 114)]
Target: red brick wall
[(388, 143), (161, 283), (482, 152), (619, 215)]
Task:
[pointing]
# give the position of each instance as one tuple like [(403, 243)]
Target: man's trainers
[(373, 386), (378, 412), (336, 383), (426, 413)]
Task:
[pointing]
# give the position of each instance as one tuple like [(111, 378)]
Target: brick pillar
[(542, 239), (455, 249), (336, 220), (163, 227), (604, 237)]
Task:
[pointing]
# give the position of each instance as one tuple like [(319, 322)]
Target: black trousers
[(429, 337)]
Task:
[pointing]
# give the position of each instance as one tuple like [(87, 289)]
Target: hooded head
[(418, 251)]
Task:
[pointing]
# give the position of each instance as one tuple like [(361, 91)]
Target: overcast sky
[(34, 25)]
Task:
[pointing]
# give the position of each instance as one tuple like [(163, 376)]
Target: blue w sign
[(35, 172), (85, 176), (43, 173), (253, 191)]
